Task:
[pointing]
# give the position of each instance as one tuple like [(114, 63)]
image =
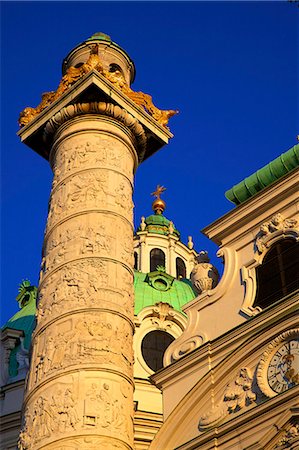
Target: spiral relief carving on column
[(85, 306)]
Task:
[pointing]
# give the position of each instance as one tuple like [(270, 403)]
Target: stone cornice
[(245, 420), (225, 344), (103, 90), (12, 386), (242, 219), (101, 108), (10, 421)]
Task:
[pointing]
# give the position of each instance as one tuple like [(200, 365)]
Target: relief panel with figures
[(97, 151), (90, 190), (85, 402), (98, 338), (89, 283)]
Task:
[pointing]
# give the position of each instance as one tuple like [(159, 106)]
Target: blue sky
[(230, 68)]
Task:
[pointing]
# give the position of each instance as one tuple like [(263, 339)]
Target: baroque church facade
[(132, 340)]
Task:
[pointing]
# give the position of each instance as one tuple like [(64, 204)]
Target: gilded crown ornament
[(158, 204), (73, 74)]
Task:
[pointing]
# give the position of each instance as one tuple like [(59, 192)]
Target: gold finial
[(158, 191), (158, 204)]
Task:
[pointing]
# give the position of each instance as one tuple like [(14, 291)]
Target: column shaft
[(80, 388)]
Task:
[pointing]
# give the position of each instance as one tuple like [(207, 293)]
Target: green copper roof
[(159, 224), (23, 320), (265, 176), (148, 292), (100, 36)]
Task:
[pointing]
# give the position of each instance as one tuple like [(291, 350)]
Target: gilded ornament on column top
[(73, 74)]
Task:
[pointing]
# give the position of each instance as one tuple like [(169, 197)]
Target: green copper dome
[(158, 287), (149, 289)]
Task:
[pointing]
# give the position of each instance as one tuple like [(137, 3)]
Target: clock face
[(278, 369), (283, 368)]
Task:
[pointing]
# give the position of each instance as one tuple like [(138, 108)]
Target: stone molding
[(192, 337), (270, 232), (10, 338), (237, 395), (261, 374), (106, 109), (246, 218), (160, 316), (289, 439), (273, 230), (234, 402)]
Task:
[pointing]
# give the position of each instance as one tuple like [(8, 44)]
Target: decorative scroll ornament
[(188, 346), (290, 438), (94, 62), (163, 312), (237, 395), (277, 223), (204, 276)]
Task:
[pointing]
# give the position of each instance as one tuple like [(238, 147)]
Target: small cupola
[(157, 243), (112, 56)]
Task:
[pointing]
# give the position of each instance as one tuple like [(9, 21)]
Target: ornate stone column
[(80, 387)]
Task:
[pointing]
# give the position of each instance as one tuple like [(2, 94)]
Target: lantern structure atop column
[(94, 130)]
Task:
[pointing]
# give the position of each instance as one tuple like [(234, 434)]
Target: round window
[(153, 347), (160, 284)]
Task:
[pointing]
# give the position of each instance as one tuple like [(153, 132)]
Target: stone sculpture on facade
[(290, 438), (237, 395), (277, 223), (204, 276)]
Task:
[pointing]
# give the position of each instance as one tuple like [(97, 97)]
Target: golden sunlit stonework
[(94, 62), (133, 340)]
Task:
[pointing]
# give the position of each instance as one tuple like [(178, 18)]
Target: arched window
[(278, 274), (157, 258), (135, 260), (153, 347), (180, 268)]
